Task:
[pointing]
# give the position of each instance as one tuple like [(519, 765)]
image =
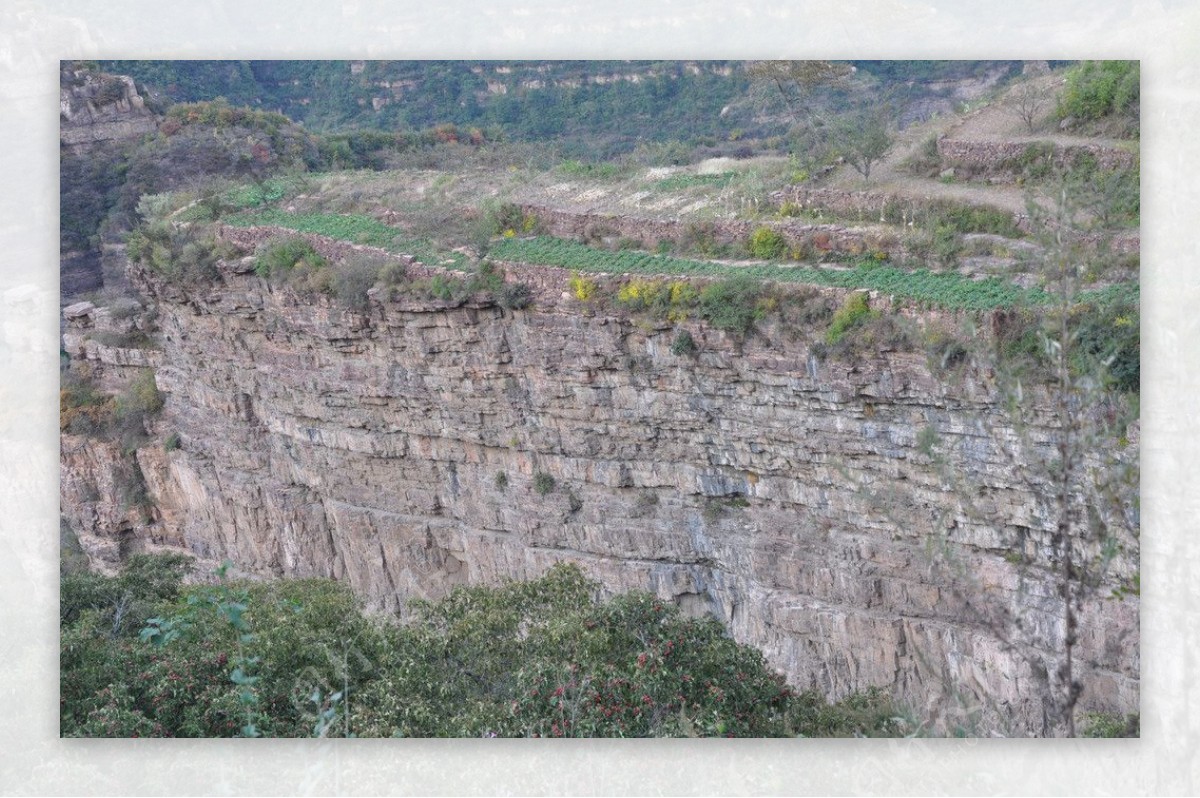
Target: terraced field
[(355, 228), (936, 289)]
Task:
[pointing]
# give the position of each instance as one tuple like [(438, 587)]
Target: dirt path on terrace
[(996, 121), (889, 176)]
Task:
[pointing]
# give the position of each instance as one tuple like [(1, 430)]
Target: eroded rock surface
[(97, 108)]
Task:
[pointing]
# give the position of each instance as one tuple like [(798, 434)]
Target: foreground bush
[(1096, 89), (297, 658)]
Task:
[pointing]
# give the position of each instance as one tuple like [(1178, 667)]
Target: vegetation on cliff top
[(144, 655), (942, 289), (355, 228)]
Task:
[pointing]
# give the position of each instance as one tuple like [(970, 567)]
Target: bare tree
[(1065, 450), (796, 82), (1056, 406), (1028, 101)]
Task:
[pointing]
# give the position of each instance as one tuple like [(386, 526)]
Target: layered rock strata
[(423, 444), (97, 108)]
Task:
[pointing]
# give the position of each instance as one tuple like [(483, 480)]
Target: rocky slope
[(424, 444)]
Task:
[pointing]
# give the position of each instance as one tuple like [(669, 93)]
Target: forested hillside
[(615, 102)]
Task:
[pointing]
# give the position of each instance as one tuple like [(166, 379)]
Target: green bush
[(354, 277), (281, 256), (1108, 343), (487, 278), (1035, 163), (972, 219), (139, 399), (508, 219), (146, 578), (701, 238), (767, 244), (446, 288), (1111, 197), (1100, 724), (142, 394), (515, 296), (877, 332), (393, 273), (854, 310), (538, 658), (1105, 341), (110, 90), (684, 344), (187, 255), (543, 483), (947, 245), (83, 410), (732, 304), (1096, 89)]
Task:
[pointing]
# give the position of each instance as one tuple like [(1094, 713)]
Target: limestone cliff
[(423, 444), (97, 108)]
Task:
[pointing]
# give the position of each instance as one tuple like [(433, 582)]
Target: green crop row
[(240, 198), (356, 228), (1117, 293), (946, 289), (942, 289)]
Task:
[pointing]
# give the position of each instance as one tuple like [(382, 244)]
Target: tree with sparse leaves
[(862, 139), (796, 82)]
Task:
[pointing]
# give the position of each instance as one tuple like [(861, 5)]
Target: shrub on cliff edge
[(853, 311), (354, 277), (282, 255), (733, 305)]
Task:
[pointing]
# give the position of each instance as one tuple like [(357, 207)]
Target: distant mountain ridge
[(658, 100)]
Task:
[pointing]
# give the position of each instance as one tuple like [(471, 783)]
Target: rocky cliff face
[(101, 117), (424, 444), (97, 108)]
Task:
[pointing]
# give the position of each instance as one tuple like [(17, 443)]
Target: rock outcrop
[(424, 444), (97, 108)]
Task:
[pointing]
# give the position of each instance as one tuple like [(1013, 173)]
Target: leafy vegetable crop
[(357, 228), (945, 289)]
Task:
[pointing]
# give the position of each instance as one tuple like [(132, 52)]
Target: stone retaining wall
[(999, 157)]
